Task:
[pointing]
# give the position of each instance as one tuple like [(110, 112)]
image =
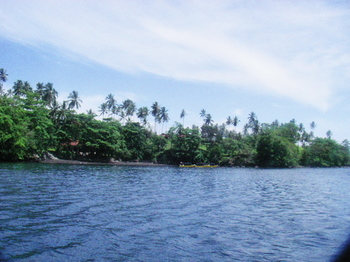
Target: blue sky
[(280, 59)]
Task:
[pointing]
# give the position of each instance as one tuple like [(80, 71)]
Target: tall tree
[(313, 125), (21, 88), (122, 116), (182, 116), (229, 121), (40, 88), (155, 113), (235, 121), (129, 107), (142, 114), (208, 119), (203, 113), (253, 123), (329, 134), (111, 103), (164, 116), (103, 109), (49, 94), (3, 78), (74, 100)]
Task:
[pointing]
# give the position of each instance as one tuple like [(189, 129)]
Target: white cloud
[(293, 49)]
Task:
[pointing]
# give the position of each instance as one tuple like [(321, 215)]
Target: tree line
[(33, 122)]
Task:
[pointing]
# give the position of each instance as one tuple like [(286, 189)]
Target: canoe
[(198, 165)]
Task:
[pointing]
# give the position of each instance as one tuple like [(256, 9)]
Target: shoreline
[(77, 162)]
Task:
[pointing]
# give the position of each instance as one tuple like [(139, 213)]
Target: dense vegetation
[(32, 123)]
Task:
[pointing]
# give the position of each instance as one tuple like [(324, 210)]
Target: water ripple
[(102, 213)]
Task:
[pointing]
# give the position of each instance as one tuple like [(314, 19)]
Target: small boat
[(187, 165), (201, 165), (207, 165)]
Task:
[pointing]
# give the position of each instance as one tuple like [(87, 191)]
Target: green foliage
[(325, 152), (237, 153), (185, 144), (32, 122), (289, 131), (135, 139), (13, 127), (276, 151), (25, 128)]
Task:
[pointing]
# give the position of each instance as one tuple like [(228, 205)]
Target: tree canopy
[(33, 122)]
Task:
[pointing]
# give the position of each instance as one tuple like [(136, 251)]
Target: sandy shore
[(76, 162)]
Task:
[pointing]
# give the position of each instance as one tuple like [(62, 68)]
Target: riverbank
[(114, 163)]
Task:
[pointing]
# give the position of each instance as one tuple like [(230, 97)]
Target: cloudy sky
[(280, 59)]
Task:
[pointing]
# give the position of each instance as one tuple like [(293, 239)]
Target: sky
[(280, 59)]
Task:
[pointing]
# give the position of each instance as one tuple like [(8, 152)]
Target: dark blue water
[(106, 213)]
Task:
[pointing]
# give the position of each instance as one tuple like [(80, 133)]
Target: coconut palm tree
[(235, 121), (229, 121), (129, 107), (74, 100), (61, 111), (313, 125), (20, 88), (111, 102), (142, 114), (3, 78), (49, 94), (122, 116), (329, 134), (163, 116), (245, 129), (90, 112), (208, 119), (40, 88), (182, 115), (155, 113), (203, 114), (253, 123), (252, 118), (103, 109)]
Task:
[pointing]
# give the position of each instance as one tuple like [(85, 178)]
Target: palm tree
[(301, 128), (182, 115), (3, 78), (155, 113), (245, 129), (143, 114), (115, 110), (208, 119), (252, 118), (90, 112), (256, 127), (60, 111), (229, 121), (235, 121), (49, 94), (129, 107), (163, 116), (40, 88), (55, 107), (74, 100), (313, 125), (329, 134), (111, 102), (122, 116), (203, 114), (253, 123), (20, 88), (103, 109)]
